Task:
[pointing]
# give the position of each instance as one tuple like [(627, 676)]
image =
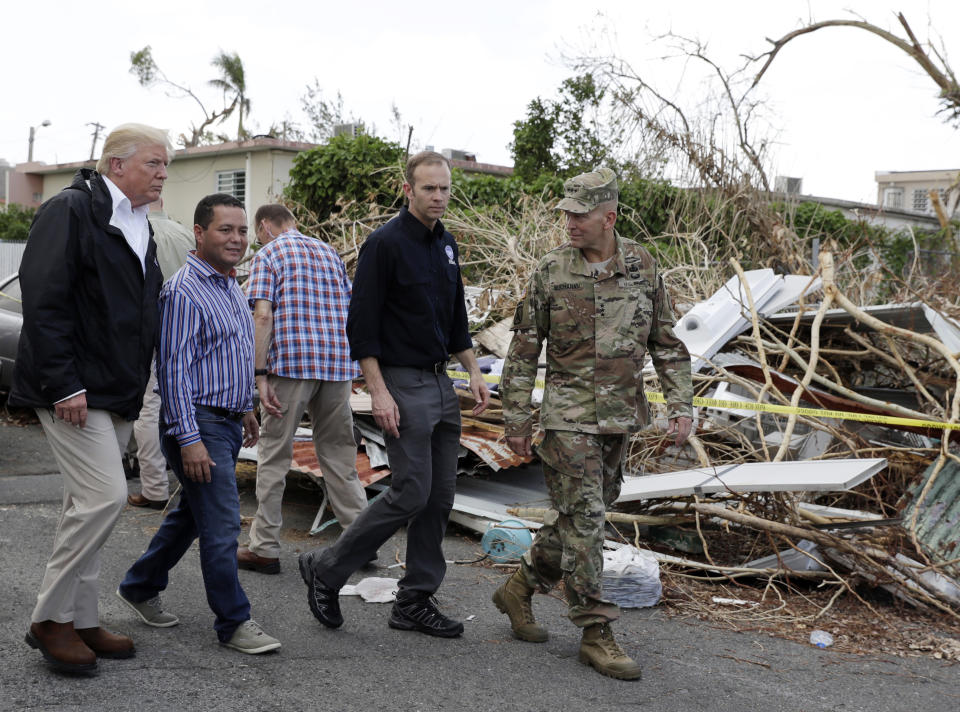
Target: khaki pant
[(94, 494), (154, 483), (328, 404)]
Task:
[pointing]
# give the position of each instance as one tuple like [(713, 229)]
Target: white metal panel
[(712, 323), (800, 476)]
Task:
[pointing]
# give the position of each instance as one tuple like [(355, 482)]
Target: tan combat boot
[(514, 599), (600, 650)]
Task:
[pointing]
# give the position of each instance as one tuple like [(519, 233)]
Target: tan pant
[(146, 430), (94, 494), (328, 404)]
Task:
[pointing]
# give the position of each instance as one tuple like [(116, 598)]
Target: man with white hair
[(90, 282)]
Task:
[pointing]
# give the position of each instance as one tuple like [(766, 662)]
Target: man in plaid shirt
[(300, 295)]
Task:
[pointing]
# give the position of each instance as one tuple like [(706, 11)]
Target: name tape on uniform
[(655, 397)]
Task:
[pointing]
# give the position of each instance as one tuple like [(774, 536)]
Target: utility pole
[(33, 130), (97, 128)]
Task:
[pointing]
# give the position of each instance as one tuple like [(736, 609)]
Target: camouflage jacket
[(598, 328)]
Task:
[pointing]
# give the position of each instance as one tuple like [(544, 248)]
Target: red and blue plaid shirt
[(305, 280)]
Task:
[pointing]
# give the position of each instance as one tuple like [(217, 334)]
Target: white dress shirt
[(132, 222)]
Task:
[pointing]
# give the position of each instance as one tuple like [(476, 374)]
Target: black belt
[(223, 412), (439, 368)]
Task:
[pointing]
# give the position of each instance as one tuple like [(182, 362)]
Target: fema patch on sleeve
[(449, 250)]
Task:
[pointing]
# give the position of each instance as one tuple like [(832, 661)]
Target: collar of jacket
[(418, 229), (91, 182), (616, 266)]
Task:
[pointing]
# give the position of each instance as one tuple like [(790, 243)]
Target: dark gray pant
[(423, 467)]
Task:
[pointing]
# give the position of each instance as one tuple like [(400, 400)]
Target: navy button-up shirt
[(407, 307)]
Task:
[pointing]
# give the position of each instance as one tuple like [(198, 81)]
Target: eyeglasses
[(262, 226)]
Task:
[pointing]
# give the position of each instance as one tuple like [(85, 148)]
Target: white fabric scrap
[(373, 590)]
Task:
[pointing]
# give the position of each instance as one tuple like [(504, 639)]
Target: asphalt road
[(365, 665)]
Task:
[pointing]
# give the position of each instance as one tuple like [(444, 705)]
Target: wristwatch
[(259, 372)]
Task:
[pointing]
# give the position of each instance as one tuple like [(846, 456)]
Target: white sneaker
[(151, 611), (250, 638)]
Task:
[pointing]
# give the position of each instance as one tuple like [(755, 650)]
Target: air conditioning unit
[(350, 130), (456, 154), (790, 186)]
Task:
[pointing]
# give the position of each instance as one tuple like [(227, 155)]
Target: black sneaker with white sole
[(324, 602), (421, 614)]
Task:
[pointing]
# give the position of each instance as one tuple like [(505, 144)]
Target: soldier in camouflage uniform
[(600, 303)]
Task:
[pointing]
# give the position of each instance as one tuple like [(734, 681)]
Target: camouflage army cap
[(586, 191)]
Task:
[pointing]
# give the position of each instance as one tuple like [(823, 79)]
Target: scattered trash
[(803, 557), (733, 602), (821, 638), (506, 541), (373, 589), (631, 577)]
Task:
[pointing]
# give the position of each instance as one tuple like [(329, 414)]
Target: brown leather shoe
[(138, 500), (106, 644), (62, 648), (246, 559)]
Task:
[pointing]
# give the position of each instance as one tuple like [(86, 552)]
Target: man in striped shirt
[(205, 374), (300, 295)]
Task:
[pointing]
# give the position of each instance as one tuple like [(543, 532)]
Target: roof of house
[(217, 149)]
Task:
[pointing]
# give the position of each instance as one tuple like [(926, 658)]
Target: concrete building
[(910, 190), (255, 171)]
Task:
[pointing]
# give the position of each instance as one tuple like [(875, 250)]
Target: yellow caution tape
[(820, 413), (488, 377)]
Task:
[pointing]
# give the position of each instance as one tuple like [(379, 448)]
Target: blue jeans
[(208, 510)]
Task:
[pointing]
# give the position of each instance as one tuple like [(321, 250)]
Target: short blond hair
[(126, 139)]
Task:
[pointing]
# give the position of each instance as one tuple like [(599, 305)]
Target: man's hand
[(682, 427), (73, 410), (522, 444), (196, 462), (251, 429), (268, 398), (481, 393), (385, 412)]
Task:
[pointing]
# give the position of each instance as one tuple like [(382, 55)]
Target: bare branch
[(942, 74)]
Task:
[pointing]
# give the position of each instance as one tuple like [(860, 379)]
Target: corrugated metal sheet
[(938, 516), (305, 461)]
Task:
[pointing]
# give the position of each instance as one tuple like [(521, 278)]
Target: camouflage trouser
[(583, 473)]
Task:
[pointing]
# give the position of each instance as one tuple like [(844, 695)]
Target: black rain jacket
[(90, 316)]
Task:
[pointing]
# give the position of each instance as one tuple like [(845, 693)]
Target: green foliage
[(346, 169), (143, 66), (533, 141), (15, 222), (486, 191), (937, 257), (647, 204), (232, 82), (568, 135), (814, 220)]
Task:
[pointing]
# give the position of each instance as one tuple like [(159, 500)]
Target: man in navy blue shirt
[(407, 315)]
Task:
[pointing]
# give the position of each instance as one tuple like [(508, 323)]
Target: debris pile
[(823, 476)]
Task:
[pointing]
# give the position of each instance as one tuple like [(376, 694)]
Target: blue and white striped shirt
[(206, 347)]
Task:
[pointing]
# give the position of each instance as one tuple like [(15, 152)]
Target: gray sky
[(841, 103)]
